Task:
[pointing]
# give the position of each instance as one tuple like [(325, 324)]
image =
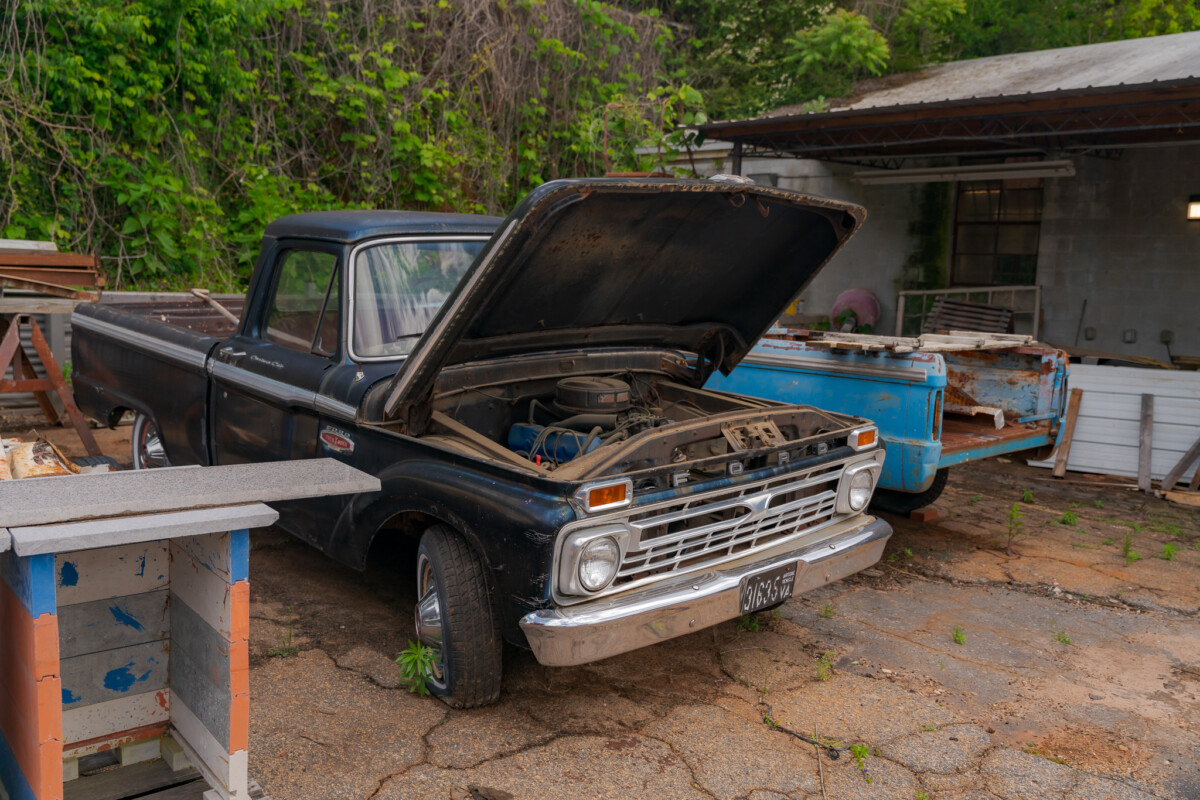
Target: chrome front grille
[(708, 528)]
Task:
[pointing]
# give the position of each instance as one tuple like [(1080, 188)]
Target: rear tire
[(149, 449), (904, 503), (454, 615)]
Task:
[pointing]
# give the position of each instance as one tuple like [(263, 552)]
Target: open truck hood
[(700, 266)]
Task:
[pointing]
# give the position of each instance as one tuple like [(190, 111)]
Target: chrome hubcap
[(151, 452), (427, 617)]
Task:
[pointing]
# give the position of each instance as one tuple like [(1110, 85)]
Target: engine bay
[(586, 413), (635, 421)]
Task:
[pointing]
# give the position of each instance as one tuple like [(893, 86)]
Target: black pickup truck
[(529, 391)]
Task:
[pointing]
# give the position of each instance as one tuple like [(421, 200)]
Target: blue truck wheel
[(894, 502)]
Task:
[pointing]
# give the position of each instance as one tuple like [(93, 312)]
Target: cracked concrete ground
[(1077, 676), (1074, 674)]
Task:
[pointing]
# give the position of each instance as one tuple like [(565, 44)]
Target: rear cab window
[(305, 312)]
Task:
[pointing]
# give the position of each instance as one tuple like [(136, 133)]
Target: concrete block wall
[(1116, 235)]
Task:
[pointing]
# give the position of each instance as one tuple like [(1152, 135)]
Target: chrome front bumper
[(563, 637)]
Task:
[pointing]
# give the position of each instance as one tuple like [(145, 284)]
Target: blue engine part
[(558, 444)]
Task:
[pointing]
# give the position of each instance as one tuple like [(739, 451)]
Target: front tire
[(454, 616), (905, 503), (149, 450)]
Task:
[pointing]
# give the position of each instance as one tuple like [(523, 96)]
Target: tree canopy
[(165, 134)]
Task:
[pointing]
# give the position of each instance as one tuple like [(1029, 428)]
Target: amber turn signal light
[(864, 438), (608, 495)]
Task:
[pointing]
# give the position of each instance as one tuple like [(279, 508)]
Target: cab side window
[(304, 314)]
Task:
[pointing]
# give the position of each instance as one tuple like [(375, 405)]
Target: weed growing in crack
[(1128, 552), (974, 499), (1014, 524), (1062, 638), (1068, 518), (416, 667), (828, 612), (931, 728), (1108, 541), (860, 753), (1168, 552), (748, 622), (825, 665), (1098, 503), (960, 636), (286, 648), (1027, 496), (921, 795)]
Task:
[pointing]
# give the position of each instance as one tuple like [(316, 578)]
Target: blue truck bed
[(918, 398)]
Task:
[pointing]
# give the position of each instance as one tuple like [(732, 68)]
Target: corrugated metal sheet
[(1106, 435), (1124, 63)]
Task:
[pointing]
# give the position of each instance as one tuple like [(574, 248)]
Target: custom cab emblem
[(337, 440)]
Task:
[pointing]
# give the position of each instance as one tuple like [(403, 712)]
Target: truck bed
[(181, 310)]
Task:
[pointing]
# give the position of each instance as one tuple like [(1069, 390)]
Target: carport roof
[(1073, 99)]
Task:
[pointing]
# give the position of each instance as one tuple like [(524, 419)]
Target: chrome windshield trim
[(141, 342), (350, 281)]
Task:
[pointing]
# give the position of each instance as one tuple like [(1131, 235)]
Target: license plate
[(767, 588)]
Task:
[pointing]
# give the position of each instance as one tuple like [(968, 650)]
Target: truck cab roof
[(356, 225)]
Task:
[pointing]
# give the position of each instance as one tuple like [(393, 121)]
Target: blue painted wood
[(31, 579), (239, 555), (112, 622), (11, 777), (110, 674), (200, 669)]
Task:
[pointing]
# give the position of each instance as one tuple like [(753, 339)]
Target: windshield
[(399, 287)]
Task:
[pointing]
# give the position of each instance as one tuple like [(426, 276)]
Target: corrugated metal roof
[(1123, 63)]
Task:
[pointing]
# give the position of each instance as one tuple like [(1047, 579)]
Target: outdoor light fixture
[(1194, 207)]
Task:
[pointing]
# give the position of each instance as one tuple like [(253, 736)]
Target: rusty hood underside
[(699, 266)]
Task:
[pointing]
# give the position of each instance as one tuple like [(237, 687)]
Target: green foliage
[(860, 752), (828, 611), (1062, 638), (1027, 496), (416, 667), (1068, 518), (748, 623), (1128, 552), (166, 135), (841, 48), (824, 670), (1014, 523), (959, 635), (1168, 552)]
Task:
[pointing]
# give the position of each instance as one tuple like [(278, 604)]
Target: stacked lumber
[(39, 267)]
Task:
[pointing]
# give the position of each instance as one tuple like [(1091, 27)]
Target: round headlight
[(862, 483), (598, 563)]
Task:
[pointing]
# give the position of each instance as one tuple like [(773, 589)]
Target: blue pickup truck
[(939, 400)]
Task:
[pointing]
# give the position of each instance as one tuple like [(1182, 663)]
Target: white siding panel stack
[(1106, 435)]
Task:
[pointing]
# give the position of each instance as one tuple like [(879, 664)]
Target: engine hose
[(587, 443), (584, 422)]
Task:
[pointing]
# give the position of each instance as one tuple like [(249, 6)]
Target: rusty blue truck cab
[(918, 400)]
